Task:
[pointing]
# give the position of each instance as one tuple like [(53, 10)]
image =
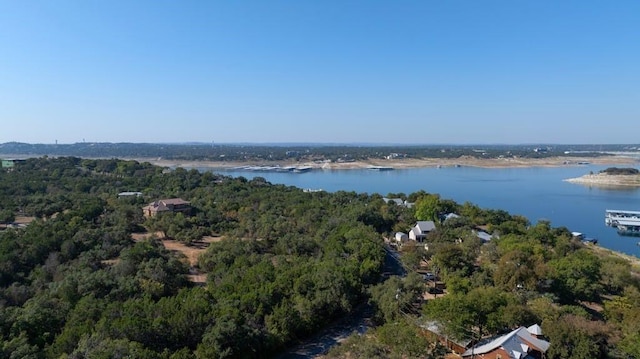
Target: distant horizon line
[(348, 144)]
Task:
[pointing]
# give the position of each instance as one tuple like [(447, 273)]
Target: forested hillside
[(586, 300), (75, 284)]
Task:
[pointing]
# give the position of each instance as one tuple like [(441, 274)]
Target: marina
[(627, 223), (288, 169)]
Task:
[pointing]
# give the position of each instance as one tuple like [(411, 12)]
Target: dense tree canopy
[(75, 284)]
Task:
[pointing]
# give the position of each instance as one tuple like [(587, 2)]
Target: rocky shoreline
[(607, 180), (403, 163)]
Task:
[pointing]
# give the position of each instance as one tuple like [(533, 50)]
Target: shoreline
[(606, 180), (404, 163), (633, 260)]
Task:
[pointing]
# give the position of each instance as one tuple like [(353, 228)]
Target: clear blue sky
[(420, 72)]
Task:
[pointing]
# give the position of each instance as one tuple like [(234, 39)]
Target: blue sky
[(418, 72)]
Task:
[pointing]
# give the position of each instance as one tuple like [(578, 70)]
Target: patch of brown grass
[(23, 220), (191, 251), (110, 262)]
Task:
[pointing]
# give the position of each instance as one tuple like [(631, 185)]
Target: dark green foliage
[(74, 283), (620, 171), (576, 276), (574, 337), (400, 339)]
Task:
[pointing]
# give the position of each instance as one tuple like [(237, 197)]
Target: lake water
[(536, 193)]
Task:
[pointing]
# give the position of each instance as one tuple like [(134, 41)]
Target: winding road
[(358, 322)]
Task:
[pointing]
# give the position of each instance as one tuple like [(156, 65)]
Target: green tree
[(576, 276), (517, 270), (571, 338), (427, 207), (7, 216)]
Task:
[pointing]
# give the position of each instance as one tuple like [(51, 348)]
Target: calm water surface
[(536, 193)]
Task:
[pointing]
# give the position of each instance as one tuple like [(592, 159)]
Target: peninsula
[(611, 177)]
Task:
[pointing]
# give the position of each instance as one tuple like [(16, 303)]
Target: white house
[(420, 230), (401, 238)]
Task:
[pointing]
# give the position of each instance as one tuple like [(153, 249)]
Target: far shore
[(405, 163)]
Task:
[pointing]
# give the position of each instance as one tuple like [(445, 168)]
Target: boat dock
[(380, 168), (289, 169), (627, 223)]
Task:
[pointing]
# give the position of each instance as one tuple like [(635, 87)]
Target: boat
[(581, 237), (629, 230)]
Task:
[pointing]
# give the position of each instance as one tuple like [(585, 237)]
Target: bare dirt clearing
[(191, 251)]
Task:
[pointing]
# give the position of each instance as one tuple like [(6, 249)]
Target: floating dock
[(627, 223), (613, 217), (380, 168)]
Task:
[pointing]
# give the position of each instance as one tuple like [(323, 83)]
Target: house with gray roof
[(517, 344), (419, 232)]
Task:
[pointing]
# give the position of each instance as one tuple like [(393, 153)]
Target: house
[(517, 344), (400, 238), (535, 330), (419, 232), (10, 163), (398, 202), (171, 205), (129, 194), (449, 216), (433, 330), (483, 236)]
